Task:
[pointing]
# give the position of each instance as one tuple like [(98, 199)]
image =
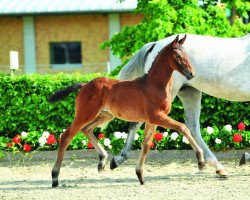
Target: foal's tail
[(57, 96)]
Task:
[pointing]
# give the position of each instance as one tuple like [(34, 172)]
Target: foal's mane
[(157, 57)]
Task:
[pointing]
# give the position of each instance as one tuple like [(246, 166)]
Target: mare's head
[(179, 59)]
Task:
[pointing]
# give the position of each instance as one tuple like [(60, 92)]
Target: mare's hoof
[(113, 165), (222, 173), (201, 165), (243, 159)]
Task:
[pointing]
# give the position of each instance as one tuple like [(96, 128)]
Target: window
[(65, 54)]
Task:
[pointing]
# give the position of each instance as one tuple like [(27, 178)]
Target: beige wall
[(11, 38)]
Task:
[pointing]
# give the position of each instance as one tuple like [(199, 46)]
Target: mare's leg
[(244, 158), (102, 118), (118, 160), (191, 100), (162, 120), (148, 138)]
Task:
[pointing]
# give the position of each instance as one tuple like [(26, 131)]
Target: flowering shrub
[(226, 138)]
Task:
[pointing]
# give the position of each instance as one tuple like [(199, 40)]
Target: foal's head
[(179, 58)]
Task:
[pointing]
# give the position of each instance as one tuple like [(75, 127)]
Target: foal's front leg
[(102, 118), (148, 138), (167, 122)]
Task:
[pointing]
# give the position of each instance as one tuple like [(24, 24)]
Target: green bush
[(24, 106), (163, 18)]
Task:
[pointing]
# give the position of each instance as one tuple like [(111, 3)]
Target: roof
[(35, 7)]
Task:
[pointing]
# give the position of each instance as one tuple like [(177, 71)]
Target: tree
[(162, 18)]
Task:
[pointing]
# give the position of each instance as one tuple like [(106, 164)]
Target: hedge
[(24, 106)]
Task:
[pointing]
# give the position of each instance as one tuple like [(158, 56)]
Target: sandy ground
[(165, 179)]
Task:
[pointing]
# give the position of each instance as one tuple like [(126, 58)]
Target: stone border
[(91, 153)]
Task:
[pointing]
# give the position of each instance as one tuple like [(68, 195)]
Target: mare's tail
[(135, 67), (57, 96)]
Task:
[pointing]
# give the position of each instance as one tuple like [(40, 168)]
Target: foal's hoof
[(139, 175), (201, 165), (243, 159), (113, 165), (222, 173)]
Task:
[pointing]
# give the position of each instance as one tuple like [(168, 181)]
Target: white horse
[(222, 67)]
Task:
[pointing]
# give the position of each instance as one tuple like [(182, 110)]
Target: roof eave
[(67, 12)]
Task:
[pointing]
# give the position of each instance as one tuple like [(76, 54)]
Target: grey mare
[(222, 67)]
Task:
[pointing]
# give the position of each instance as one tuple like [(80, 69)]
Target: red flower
[(241, 126), (90, 146), (26, 148), (152, 145), (237, 138), (158, 136), (9, 144), (51, 139), (101, 135), (16, 139)]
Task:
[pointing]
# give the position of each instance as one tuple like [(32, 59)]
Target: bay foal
[(146, 99)]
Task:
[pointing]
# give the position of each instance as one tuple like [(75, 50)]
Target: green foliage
[(163, 18), (224, 112)]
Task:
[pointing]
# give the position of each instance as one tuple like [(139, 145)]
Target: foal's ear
[(175, 41), (181, 41)]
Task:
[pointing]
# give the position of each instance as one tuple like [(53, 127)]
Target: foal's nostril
[(191, 75)]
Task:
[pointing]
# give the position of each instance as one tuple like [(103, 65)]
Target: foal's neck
[(161, 72)]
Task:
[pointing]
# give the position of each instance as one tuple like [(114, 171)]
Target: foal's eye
[(177, 56)]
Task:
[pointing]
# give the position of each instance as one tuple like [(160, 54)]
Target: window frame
[(64, 65)]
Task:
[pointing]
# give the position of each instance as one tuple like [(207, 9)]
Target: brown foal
[(146, 99)]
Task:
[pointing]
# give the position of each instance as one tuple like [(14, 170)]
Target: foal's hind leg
[(102, 118), (65, 140), (85, 113), (148, 138)]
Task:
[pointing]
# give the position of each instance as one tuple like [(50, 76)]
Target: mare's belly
[(226, 88)]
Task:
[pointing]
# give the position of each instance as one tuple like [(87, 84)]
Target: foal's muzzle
[(190, 75)]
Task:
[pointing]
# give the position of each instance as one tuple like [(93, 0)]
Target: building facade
[(59, 36)]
